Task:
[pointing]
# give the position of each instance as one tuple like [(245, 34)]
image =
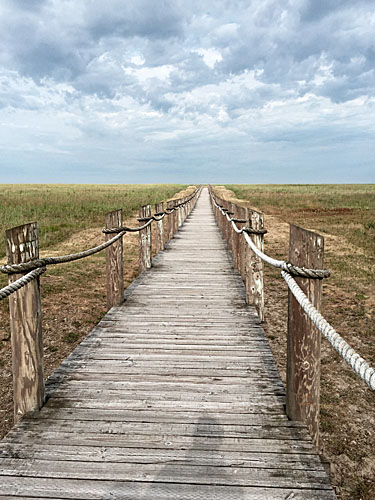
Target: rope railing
[(26, 309), (21, 282), (46, 261), (288, 270), (352, 358)]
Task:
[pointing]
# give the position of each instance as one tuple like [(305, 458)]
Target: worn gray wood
[(174, 395), (26, 324), (114, 262), (303, 361)]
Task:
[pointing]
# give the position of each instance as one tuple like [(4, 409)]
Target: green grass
[(62, 209)]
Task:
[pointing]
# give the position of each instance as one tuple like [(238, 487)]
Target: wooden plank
[(157, 489)]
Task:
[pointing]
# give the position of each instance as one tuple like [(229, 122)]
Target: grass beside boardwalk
[(346, 210), (345, 216), (63, 209)]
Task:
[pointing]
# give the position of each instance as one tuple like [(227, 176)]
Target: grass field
[(345, 216), (64, 209)]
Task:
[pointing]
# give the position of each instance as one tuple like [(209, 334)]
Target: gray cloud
[(149, 76)]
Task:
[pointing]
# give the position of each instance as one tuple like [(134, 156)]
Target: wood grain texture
[(303, 361), (174, 395), (145, 240), (26, 324), (159, 231), (114, 262), (254, 275)]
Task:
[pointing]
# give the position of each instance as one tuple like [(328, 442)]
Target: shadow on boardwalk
[(206, 428)]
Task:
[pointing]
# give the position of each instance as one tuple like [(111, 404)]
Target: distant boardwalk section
[(174, 395)]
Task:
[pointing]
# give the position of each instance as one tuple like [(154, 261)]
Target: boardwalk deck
[(174, 395)]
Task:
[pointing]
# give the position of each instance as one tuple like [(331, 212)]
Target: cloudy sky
[(187, 91)]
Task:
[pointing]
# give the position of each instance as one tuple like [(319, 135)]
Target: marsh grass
[(346, 210), (63, 209)]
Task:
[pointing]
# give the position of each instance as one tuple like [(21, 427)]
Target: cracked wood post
[(159, 233), (145, 241), (114, 262), (254, 274), (25, 324), (303, 349)]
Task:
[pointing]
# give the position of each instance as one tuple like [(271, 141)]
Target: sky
[(144, 91)]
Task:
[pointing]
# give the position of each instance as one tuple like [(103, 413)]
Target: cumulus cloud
[(144, 83)]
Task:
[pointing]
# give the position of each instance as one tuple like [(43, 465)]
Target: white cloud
[(210, 56), (81, 79)]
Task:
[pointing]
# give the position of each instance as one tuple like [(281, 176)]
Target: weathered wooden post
[(243, 213), (25, 324), (254, 274), (145, 241), (231, 232), (114, 262), (159, 233), (175, 217), (303, 362), (170, 220), (179, 213)]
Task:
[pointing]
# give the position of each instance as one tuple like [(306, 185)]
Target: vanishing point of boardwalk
[(174, 395)]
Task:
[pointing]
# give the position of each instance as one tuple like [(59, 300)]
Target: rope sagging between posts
[(302, 272), (288, 270), (38, 266)]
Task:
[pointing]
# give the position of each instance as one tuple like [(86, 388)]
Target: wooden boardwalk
[(174, 395)]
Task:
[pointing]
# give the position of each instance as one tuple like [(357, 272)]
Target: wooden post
[(170, 220), (179, 214), (25, 324), (243, 213), (114, 262), (159, 233), (175, 217), (254, 274), (303, 362), (145, 241)]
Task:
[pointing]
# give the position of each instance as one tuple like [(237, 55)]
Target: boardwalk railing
[(24, 268), (243, 229)]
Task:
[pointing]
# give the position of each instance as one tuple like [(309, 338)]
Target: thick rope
[(280, 264), (156, 217), (41, 263), (37, 263), (16, 285), (354, 360)]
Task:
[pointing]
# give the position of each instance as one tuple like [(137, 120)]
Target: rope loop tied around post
[(251, 230), (302, 272), (144, 219)]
